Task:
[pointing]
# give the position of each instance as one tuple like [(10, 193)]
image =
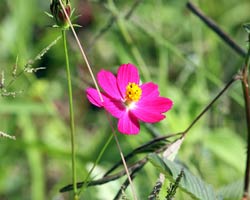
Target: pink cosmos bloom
[(128, 100)]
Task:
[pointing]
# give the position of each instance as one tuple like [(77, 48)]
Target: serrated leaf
[(231, 191), (189, 183)]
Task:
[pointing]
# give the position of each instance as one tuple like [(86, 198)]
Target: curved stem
[(72, 125), (235, 78)]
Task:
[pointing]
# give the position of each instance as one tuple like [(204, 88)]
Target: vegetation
[(172, 47)]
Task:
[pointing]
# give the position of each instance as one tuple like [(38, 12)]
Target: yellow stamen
[(133, 93)]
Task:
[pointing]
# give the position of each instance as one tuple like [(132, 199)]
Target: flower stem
[(99, 93), (72, 125), (82, 51), (125, 166)]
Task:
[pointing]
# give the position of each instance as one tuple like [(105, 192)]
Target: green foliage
[(171, 46), (189, 183), (247, 27), (231, 191)]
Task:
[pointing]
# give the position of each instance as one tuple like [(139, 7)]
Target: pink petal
[(147, 116), (158, 104), (128, 124), (149, 90), (114, 107), (127, 73), (94, 97), (150, 110), (108, 83)]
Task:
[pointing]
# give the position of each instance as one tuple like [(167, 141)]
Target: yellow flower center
[(133, 93)]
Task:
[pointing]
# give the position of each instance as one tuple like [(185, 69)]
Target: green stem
[(72, 125), (95, 164)]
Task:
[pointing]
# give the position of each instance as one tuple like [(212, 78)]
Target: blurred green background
[(188, 61)]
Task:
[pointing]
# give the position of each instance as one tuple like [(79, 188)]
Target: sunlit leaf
[(231, 191), (189, 183)]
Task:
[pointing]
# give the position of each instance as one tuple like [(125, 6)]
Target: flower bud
[(58, 14)]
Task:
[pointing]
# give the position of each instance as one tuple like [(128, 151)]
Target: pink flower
[(128, 100)]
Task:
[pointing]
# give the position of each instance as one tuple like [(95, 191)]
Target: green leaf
[(189, 183), (232, 190)]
